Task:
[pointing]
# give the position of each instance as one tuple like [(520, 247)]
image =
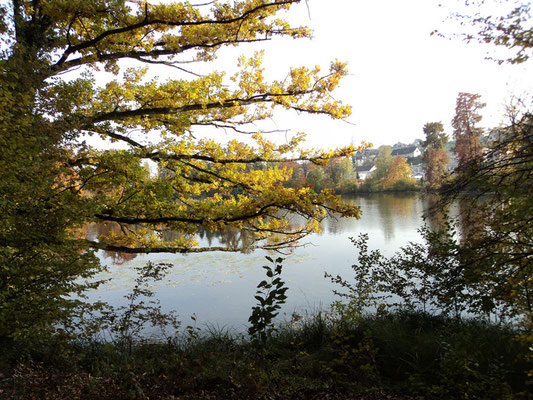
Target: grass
[(404, 355)]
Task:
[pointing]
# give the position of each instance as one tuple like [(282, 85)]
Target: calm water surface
[(219, 287)]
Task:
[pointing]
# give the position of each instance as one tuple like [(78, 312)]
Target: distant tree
[(465, 131), (435, 169), (436, 138), (339, 169), (318, 178), (391, 172), (297, 179), (399, 171), (384, 161), (435, 156)]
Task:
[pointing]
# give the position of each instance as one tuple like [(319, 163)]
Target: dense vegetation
[(405, 355), (54, 179)]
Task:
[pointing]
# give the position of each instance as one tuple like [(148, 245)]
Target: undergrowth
[(401, 354)]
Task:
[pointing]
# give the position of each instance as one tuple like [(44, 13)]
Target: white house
[(406, 152), (364, 171)]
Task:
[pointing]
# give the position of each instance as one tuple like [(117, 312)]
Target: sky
[(400, 77)]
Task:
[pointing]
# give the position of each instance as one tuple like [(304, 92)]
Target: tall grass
[(401, 354)]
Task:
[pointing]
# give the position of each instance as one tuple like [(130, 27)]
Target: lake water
[(218, 287)]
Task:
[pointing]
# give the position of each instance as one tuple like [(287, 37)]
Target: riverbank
[(403, 355)]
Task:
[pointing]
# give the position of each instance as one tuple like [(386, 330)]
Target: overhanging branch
[(147, 21)]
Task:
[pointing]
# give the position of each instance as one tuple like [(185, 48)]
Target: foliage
[(422, 279), (367, 290), (501, 245), (337, 175), (398, 172), (432, 356), (318, 179), (383, 163), (432, 276), (126, 323), (339, 170), (355, 355), (436, 138), (416, 355), (465, 132), (350, 185), (511, 30), (435, 156), (270, 296), (442, 275), (53, 105), (435, 169), (392, 173)]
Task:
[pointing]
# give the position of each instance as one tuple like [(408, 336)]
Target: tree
[(511, 30), (391, 172), (339, 169), (467, 135), (318, 178), (499, 252), (384, 161), (53, 181), (434, 155), (298, 174), (436, 138), (399, 172)]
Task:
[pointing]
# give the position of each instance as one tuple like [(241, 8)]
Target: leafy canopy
[(435, 157), (466, 133), (53, 181)]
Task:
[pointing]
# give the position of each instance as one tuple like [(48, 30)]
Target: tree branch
[(145, 250), (223, 103), (197, 221), (147, 22)]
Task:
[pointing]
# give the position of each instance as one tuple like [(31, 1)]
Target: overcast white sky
[(400, 76)]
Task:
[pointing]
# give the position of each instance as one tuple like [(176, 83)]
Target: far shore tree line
[(423, 164)]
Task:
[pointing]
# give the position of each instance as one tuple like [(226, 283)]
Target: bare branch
[(100, 130)]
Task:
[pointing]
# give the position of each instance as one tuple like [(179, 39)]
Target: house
[(358, 159), (406, 152), (364, 171), (367, 156)]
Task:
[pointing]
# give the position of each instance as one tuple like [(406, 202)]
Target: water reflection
[(390, 214), (95, 231), (393, 209), (435, 217), (473, 217), (219, 287)]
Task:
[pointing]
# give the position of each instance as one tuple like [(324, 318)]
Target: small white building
[(364, 171), (406, 152)]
